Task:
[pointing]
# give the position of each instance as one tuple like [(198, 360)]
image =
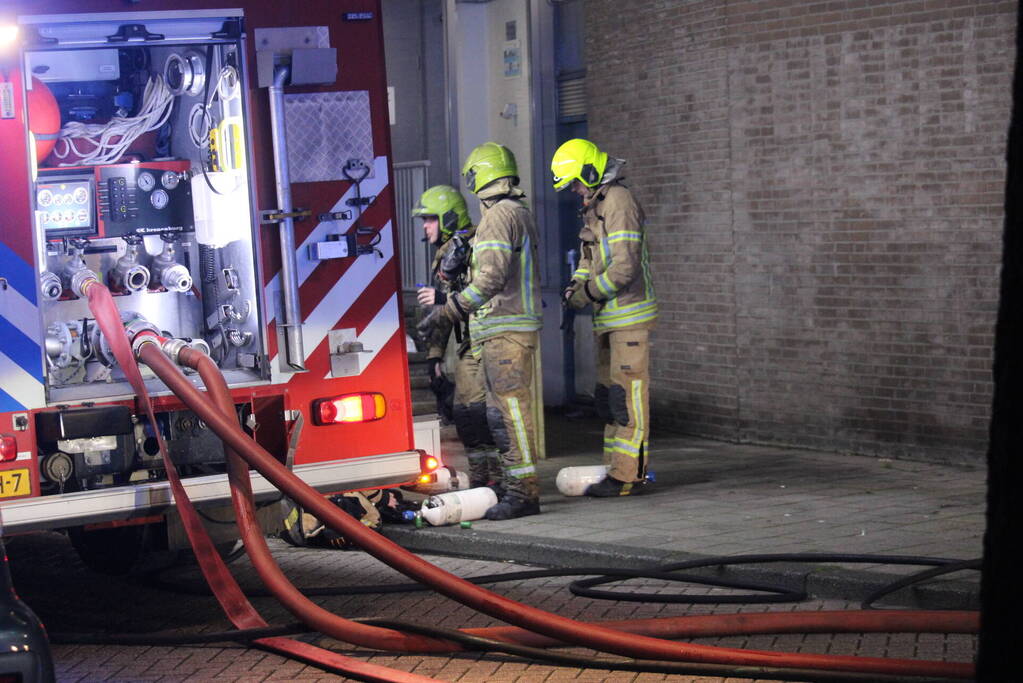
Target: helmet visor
[(562, 182), (470, 179)]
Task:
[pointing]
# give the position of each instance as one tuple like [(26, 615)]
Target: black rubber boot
[(609, 487), (511, 507)]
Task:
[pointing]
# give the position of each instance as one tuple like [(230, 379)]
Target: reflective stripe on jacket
[(503, 291), (614, 260)]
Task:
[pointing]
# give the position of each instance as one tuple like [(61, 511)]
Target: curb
[(822, 581)]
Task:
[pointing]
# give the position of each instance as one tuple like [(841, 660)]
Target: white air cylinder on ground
[(572, 481), (458, 506)]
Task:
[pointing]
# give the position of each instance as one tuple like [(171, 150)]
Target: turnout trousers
[(622, 400), (508, 371), (470, 413)]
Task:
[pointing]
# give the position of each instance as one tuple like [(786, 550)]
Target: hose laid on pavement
[(238, 609), (775, 593), (561, 628), (259, 553)]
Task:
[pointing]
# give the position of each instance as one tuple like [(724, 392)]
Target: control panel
[(67, 207), (149, 198)]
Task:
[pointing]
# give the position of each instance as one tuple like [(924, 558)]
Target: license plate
[(15, 483)]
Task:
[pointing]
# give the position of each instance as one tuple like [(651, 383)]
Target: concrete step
[(424, 406)]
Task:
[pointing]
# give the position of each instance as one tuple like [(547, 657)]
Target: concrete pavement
[(712, 498)]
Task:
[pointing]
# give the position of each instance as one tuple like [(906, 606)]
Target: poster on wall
[(512, 51)]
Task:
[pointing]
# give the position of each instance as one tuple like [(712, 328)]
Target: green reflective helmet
[(448, 205), (580, 160), (488, 162)]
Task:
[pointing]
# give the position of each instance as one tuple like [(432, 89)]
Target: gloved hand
[(574, 295), (436, 367), (426, 325)]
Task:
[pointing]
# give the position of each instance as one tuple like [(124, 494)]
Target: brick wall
[(824, 183)]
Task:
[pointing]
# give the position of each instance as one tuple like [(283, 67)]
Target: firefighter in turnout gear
[(501, 302), (614, 276), (446, 222)]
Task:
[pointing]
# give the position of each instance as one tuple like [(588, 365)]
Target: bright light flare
[(8, 35)]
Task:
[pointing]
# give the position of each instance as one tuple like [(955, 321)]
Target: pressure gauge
[(159, 199), (146, 182), (170, 179), (45, 198)]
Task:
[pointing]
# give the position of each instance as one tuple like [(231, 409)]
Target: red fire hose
[(387, 639), (275, 580), (234, 603), (552, 625)]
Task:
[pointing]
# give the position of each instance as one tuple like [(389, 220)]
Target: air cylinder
[(572, 481), (458, 506)]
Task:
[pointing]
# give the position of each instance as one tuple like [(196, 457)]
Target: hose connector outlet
[(172, 349), (50, 286), (176, 278), (135, 326), (173, 276), (81, 281), (128, 275), (142, 339), (75, 276), (199, 345)]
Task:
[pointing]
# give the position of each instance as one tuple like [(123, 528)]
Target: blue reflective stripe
[(473, 293), (631, 309), (479, 332), (624, 236), (493, 244), (605, 286), (8, 403), (599, 324), (22, 350), (624, 446), (18, 273), (520, 431), (582, 274), (521, 472), (526, 271)]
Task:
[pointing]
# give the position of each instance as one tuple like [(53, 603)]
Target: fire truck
[(225, 172)]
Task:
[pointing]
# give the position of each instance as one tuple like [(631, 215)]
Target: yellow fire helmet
[(448, 205), (488, 162), (580, 160)]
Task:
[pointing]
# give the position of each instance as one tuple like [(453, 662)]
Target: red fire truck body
[(225, 171)]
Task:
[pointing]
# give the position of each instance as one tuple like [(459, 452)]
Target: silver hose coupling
[(50, 286)]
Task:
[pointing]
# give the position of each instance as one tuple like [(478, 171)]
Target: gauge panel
[(115, 200), (65, 206), (145, 181)]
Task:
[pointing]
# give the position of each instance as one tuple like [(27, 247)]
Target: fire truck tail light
[(349, 408), (8, 448), (427, 464)]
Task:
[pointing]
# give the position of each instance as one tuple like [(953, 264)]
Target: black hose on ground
[(603, 575)]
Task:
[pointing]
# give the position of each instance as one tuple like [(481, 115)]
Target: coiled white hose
[(104, 143)]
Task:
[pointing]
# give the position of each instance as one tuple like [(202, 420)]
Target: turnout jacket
[(503, 290), (614, 266), (438, 340)]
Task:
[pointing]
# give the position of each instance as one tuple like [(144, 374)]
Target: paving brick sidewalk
[(71, 598), (714, 498)]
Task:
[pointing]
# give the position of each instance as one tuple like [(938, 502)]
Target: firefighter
[(614, 277), (501, 301), (446, 222)]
